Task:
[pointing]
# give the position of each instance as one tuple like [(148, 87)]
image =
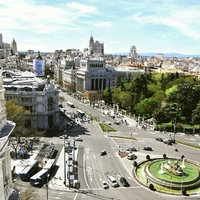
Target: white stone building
[(95, 47), (6, 128), (37, 95)]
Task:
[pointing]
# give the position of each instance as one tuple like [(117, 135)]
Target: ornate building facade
[(6, 128), (96, 47), (39, 96)]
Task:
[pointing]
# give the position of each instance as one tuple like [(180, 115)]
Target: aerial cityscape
[(99, 100)]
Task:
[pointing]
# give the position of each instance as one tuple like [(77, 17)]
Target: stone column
[(2, 196)]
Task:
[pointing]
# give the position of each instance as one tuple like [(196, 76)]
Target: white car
[(78, 138), (105, 185), (63, 136)]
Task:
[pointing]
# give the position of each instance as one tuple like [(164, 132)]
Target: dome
[(132, 48)]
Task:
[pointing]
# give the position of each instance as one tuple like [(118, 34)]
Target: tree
[(134, 163), (125, 99), (146, 107), (148, 157), (118, 80), (196, 115), (28, 194), (17, 114), (107, 94)]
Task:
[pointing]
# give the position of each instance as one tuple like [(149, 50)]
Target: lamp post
[(64, 159), (176, 109), (46, 183)]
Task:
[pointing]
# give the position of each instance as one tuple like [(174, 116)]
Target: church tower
[(14, 46), (91, 43)]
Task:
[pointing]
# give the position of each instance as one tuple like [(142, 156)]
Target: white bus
[(40, 178), (70, 104), (29, 171)]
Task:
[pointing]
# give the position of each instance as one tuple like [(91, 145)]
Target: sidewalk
[(57, 182)]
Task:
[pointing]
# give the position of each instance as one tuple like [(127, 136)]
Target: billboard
[(38, 67)]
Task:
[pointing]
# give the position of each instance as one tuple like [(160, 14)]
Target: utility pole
[(64, 159)]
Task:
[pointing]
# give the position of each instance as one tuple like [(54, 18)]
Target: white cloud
[(185, 20), (103, 24)]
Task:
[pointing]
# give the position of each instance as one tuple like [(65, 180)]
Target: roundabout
[(169, 175)]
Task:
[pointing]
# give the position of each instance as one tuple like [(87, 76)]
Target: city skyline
[(152, 26)]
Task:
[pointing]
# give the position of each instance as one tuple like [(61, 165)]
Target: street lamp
[(64, 159), (176, 109), (46, 183)]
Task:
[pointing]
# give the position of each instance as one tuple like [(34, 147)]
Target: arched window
[(50, 104)]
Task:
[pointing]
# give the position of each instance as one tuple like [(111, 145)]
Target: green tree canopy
[(146, 107), (17, 114)]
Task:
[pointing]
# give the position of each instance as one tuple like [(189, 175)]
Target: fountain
[(161, 169), (183, 164), (168, 175)]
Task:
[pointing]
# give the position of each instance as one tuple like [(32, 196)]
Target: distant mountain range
[(166, 55)]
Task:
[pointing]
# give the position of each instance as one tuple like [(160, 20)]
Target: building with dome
[(37, 95), (133, 53)]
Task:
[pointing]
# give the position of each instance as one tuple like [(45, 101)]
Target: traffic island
[(169, 175)]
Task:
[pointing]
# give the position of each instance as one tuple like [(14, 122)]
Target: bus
[(42, 177), (29, 170), (80, 114), (70, 104)]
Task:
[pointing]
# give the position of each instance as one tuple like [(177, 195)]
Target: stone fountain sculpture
[(173, 168)]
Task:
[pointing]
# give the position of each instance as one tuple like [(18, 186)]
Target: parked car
[(112, 181), (78, 138), (147, 149), (131, 149), (124, 182), (105, 185), (159, 139), (103, 153)]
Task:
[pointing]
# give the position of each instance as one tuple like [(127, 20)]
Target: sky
[(159, 26)]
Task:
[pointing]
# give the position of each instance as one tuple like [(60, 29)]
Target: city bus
[(29, 170), (70, 104), (42, 177)]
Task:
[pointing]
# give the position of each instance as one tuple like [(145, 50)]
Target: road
[(94, 168)]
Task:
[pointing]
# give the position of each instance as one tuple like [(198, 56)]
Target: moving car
[(103, 153), (78, 138), (64, 136), (105, 185), (131, 156), (147, 149), (131, 149), (169, 142), (117, 122), (112, 181), (124, 182), (159, 139)]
